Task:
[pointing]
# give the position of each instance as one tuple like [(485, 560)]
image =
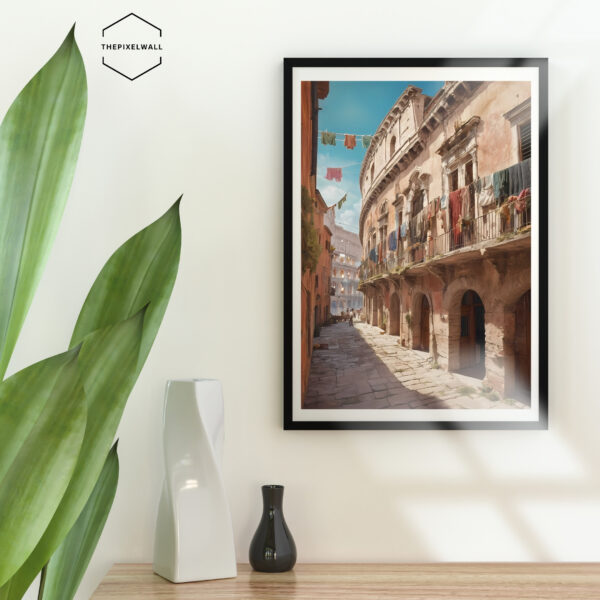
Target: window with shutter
[(525, 140)]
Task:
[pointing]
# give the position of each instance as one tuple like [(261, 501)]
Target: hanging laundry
[(366, 140), (419, 226), (392, 242), (373, 255), (501, 183), (472, 200), (444, 201), (341, 202), (350, 141), (403, 230), (465, 200), (327, 138), (515, 180), (455, 213), (334, 173), (483, 191), (444, 219), (504, 211), (523, 200), (526, 173), (486, 197)]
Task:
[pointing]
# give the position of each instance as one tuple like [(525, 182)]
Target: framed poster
[(415, 263)]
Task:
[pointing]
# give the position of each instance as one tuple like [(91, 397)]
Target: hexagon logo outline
[(118, 66)]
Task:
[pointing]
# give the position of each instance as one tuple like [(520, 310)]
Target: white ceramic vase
[(194, 537)]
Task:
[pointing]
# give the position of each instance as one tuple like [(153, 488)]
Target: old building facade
[(316, 236), (445, 229)]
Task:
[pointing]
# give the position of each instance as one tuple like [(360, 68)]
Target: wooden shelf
[(459, 581)]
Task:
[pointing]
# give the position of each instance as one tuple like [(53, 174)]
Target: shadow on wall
[(489, 498), (479, 495)]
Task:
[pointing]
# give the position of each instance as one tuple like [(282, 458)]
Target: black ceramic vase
[(272, 548)]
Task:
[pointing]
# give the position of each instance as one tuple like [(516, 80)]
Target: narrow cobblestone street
[(361, 367)]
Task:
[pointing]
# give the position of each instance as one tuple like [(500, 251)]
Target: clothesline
[(329, 138), (343, 135)]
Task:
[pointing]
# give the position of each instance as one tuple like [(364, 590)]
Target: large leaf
[(62, 576), (39, 144), (107, 363), (42, 425), (142, 271)]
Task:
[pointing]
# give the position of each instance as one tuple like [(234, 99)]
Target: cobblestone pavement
[(360, 367)]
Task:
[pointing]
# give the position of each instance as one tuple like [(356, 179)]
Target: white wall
[(209, 123)]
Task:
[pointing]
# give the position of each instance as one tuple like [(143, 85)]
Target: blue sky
[(354, 107)]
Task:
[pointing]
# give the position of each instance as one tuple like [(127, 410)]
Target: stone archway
[(452, 303), (472, 335), (421, 322), (374, 314)]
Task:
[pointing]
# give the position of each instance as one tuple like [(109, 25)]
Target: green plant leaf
[(140, 274), (63, 574), (42, 425), (40, 138), (142, 271), (107, 367)]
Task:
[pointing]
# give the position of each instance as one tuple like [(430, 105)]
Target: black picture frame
[(291, 332)]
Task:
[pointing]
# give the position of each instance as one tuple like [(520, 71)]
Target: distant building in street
[(345, 265), (445, 227)]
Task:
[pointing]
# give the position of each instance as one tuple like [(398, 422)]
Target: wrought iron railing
[(493, 225)]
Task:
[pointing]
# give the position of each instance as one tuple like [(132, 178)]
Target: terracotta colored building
[(445, 229), (316, 236), (322, 274)]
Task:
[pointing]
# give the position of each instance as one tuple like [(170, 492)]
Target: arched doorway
[(374, 315), (420, 323), (472, 335), (394, 314), (523, 346)]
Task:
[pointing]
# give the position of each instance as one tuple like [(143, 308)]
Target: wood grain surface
[(460, 581)]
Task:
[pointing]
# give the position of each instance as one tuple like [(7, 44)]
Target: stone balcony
[(475, 238)]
